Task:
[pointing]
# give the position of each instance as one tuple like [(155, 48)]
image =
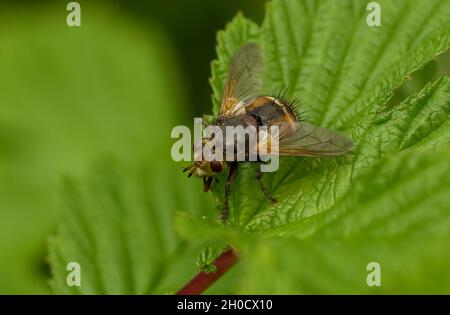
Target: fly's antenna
[(191, 169)]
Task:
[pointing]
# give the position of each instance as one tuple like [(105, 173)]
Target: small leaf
[(205, 259)]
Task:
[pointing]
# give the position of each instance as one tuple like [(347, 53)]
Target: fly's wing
[(243, 80), (303, 139)]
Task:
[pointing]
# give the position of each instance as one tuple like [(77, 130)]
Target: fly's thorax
[(240, 138), (244, 137)]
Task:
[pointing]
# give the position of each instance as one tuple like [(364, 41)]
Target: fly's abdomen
[(269, 111)]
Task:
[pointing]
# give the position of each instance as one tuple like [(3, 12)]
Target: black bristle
[(294, 105)]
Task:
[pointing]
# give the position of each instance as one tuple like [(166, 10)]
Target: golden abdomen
[(270, 111)]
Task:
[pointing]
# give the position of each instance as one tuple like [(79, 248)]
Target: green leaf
[(117, 226), (344, 73), (396, 214), (67, 96), (422, 120), (205, 260), (103, 89), (384, 203), (293, 266)]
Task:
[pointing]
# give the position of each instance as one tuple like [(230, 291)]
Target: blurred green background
[(71, 95)]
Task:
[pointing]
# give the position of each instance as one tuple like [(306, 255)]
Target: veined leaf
[(396, 215), (68, 95), (339, 213), (421, 120), (117, 226), (386, 202), (107, 89), (344, 72)]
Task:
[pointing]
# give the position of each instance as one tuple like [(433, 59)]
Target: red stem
[(203, 280)]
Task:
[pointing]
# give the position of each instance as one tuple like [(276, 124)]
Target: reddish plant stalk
[(203, 280)]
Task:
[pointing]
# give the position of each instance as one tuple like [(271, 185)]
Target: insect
[(242, 105)]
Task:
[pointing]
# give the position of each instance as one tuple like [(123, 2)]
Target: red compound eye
[(216, 166)]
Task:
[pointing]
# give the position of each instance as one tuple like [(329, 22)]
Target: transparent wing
[(303, 139), (243, 79)]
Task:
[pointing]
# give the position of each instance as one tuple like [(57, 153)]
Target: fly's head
[(204, 168)]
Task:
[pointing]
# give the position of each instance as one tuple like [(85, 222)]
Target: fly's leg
[(231, 176), (266, 192)]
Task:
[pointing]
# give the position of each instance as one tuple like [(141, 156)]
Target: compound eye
[(216, 166)]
